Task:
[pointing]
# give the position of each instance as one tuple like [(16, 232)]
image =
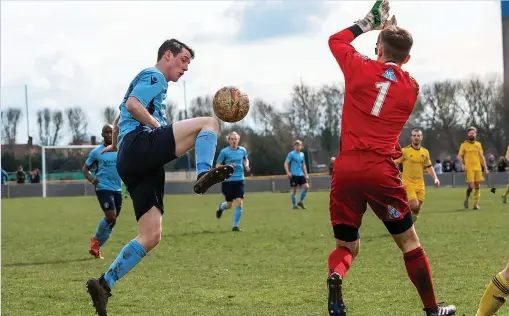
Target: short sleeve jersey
[(150, 88), (228, 156), (106, 169), (296, 163)]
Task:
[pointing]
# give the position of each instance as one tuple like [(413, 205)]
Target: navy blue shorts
[(109, 200), (140, 163), (232, 190), (297, 181)]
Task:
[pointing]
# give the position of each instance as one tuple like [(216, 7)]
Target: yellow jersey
[(507, 152), (414, 161), (471, 152)]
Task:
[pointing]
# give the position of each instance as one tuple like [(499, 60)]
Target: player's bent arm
[(114, 138), (431, 172), (341, 48), (87, 173), (140, 113), (246, 163)]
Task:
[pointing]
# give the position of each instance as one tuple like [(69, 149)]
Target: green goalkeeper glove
[(377, 18)]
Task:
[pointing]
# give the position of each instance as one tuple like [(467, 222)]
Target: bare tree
[(110, 113), (171, 111), (10, 121), (58, 122), (331, 104), (484, 103), (77, 124), (201, 106), (44, 123), (442, 110), (304, 111)]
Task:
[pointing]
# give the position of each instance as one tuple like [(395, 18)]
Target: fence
[(262, 184)]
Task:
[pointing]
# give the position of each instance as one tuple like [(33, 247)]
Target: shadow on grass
[(31, 264), (198, 233)]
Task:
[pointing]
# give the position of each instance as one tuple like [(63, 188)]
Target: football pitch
[(276, 266)]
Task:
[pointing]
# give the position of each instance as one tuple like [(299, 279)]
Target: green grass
[(277, 266)]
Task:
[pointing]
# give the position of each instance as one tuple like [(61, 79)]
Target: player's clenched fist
[(377, 18)]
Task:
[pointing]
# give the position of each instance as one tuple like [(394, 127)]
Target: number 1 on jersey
[(383, 88)]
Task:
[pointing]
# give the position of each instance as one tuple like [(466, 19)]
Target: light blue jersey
[(106, 169), (149, 87), (296, 163), (236, 156)]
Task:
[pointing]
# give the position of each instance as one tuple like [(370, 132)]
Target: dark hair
[(397, 43), (175, 47), (438, 160)]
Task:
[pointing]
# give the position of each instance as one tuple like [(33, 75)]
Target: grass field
[(276, 266)]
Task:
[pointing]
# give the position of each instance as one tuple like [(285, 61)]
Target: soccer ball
[(230, 104)]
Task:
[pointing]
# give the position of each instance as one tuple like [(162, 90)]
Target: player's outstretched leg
[(201, 133), (417, 266), (105, 227), (222, 207), (495, 295)]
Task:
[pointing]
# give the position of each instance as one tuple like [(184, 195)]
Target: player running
[(414, 159), (108, 188), (297, 172), (145, 145), (233, 187), (495, 295), (379, 97), (472, 161), (504, 196)]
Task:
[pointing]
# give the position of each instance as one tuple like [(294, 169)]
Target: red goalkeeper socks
[(340, 261), (417, 266)]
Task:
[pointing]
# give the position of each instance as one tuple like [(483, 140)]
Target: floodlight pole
[(28, 131), (185, 116)]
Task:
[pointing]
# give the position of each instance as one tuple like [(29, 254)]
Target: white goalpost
[(43, 153)]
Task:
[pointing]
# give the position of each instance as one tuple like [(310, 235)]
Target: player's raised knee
[(211, 123)]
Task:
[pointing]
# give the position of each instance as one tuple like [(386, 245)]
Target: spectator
[(491, 162), (36, 176), (438, 167), (448, 165), (502, 164), (20, 175), (5, 176), (331, 165)]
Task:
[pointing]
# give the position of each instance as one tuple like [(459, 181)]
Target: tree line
[(313, 114)]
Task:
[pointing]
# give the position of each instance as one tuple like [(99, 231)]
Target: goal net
[(61, 173)]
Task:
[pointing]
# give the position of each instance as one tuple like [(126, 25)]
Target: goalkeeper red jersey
[(379, 99)]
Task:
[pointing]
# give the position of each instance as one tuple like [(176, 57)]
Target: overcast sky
[(86, 53)]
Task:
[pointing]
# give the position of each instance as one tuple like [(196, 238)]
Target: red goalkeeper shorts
[(362, 178)]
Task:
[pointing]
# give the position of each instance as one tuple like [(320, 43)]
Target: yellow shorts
[(415, 191), (474, 176)]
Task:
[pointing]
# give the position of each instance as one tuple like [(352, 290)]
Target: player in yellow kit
[(472, 161), (414, 160), (504, 196), (495, 295)]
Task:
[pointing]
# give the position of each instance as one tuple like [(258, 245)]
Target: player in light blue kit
[(233, 188), (145, 144), (295, 167), (108, 188)]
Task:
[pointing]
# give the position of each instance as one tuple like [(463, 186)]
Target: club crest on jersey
[(389, 74), (392, 213)]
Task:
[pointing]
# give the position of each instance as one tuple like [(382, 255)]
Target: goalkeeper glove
[(377, 18)]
